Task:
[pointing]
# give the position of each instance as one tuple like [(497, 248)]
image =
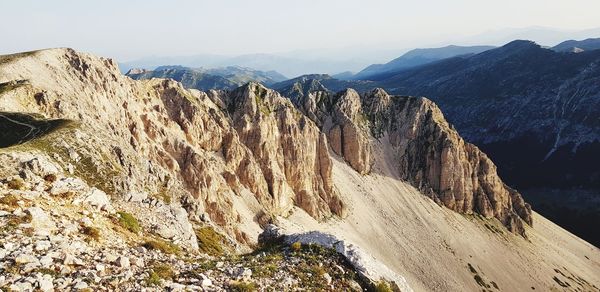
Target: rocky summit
[(112, 183)]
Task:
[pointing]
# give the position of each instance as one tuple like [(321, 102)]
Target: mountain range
[(206, 79), (534, 110), (416, 58), (139, 184)]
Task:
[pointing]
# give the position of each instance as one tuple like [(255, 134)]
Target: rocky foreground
[(60, 234)]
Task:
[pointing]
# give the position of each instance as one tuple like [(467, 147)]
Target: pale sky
[(138, 28)]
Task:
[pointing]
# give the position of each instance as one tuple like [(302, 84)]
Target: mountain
[(288, 64), (578, 46), (145, 184), (206, 79), (304, 84), (417, 57), (242, 75), (533, 110), (546, 36)]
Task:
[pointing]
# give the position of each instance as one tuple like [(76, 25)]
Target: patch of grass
[(264, 270), (159, 271), (164, 271), (129, 222), (10, 200), (296, 246), (91, 232), (53, 141), (383, 286), (16, 220), (164, 196), (163, 246), (16, 184), (13, 268), (17, 128), (242, 286), (47, 271), (210, 241), (153, 279)]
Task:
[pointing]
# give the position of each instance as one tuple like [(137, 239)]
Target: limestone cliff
[(433, 157), (203, 151), (429, 153)]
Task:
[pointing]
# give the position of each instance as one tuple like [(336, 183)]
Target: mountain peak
[(521, 45)]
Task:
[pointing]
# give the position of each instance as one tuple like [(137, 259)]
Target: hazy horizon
[(341, 35)]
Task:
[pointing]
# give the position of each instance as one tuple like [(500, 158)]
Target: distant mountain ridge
[(206, 79), (417, 57), (578, 46)]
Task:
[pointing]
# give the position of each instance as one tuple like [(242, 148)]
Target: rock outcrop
[(349, 134), (433, 157), (185, 147), (366, 265), (429, 153), (291, 151)]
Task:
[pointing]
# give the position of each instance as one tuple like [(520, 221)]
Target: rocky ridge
[(429, 152)]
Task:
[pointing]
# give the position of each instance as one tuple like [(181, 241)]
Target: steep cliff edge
[(435, 159), (430, 154)]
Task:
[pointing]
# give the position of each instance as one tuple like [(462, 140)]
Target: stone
[(327, 278), (138, 262), (123, 262), (86, 221), (40, 221), (81, 285), (242, 273), (25, 258), (205, 283), (176, 287), (42, 245), (110, 258), (71, 260), (136, 196), (45, 284), (46, 261), (66, 185), (96, 198)]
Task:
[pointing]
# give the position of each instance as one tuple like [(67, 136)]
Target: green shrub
[(210, 241), (242, 286), (296, 246), (153, 279), (159, 271), (129, 222), (383, 286), (161, 245)]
